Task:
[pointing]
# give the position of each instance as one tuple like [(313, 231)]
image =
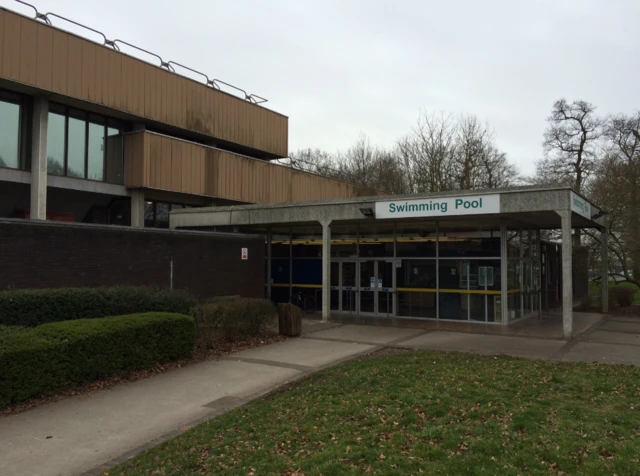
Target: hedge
[(52, 357), (232, 318), (622, 296), (32, 307)]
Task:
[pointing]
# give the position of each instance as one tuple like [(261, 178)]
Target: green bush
[(622, 296), (48, 358), (32, 307), (232, 318), (7, 331)]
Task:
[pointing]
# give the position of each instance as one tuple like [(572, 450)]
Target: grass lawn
[(423, 412)]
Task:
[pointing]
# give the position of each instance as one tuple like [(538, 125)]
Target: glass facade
[(76, 148), (55, 144), (156, 214), (84, 145), (524, 268), (408, 269), (13, 137), (10, 134)]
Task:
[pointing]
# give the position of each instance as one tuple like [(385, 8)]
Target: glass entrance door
[(348, 287), (344, 286), (368, 287), (377, 291)]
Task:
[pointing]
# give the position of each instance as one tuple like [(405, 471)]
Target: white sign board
[(245, 253), (580, 206), (438, 207)]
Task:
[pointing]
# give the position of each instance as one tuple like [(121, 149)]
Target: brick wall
[(50, 254)]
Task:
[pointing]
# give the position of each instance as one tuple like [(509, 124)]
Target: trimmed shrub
[(48, 358), (32, 307), (622, 296), (232, 318)]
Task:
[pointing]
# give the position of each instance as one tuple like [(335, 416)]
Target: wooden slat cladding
[(160, 162), (38, 55)]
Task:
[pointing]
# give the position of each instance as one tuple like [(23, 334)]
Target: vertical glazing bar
[(504, 272), (340, 287), (437, 270), (290, 264), (486, 296), (358, 282), (522, 290), (468, 289), (269, 241), (605, 270), (394, 272)]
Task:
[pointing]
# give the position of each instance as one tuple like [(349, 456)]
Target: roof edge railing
[(168, 65)]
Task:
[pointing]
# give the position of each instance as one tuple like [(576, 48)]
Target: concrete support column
[(326, 270), (269, 240), (605, 270), (567, 275), (137, 208), (38, 207)]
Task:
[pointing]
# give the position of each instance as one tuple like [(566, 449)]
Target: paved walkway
[(87, 434)]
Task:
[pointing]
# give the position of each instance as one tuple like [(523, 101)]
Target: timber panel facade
[(49, 59), (158, 162)]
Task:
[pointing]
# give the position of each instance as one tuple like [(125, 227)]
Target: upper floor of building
[(38, 58), (107, 117)]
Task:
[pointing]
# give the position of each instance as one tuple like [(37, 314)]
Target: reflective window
[(149, 214), (9, 135), (95, 151), (376, 240), (156, 214), (114, 156), (81, 148), (162, 215), (76, 148), (55, 144)]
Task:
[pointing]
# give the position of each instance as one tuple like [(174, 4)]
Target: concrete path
[(614, 341), (88, 434)]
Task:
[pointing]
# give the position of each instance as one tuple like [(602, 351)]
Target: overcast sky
[(341, 68)]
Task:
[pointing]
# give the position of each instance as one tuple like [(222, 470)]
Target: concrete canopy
[(535, 206)]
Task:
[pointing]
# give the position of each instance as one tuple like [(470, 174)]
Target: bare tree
[(617, 188), (428, 154), (495, 169), (610, 189), (440, 154), (315, 161), (570, 142), (570, 145), (373, 167)]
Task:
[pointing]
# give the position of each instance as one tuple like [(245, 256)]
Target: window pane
[(149, 214), (9, 134), (55, 144), (162, 215), (75, 167), (96, 151), (115, 164)]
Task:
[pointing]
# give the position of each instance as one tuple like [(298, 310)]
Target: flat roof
[(540, 204)]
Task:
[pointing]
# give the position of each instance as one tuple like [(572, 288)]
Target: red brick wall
[(50, 254)]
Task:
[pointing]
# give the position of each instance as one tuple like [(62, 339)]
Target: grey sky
[(341, 68)]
